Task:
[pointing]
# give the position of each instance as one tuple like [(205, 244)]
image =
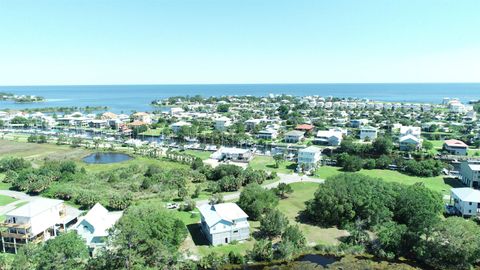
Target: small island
[(20, 98)]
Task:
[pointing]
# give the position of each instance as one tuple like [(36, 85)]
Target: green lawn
[(153, 132), (295, 203), (198, 153), (438, 183), (267, 163), (33, 151), (4, 200)]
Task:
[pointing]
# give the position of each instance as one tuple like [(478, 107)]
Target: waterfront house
[(98, 123), (409, 143), (222, 123), (252, 123), (178, 125), (305, 128), (224, 223), (267, 134), (368, 133), (470, 173), (409, 130), (455, 147), (233, 154), (357, 123), (330, 137), (293, 136), (94, 226), (308, 159), (36, 221), (466, 201), (108, 116), (142, 117)]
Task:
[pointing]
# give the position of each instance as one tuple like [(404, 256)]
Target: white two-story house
[(368, 133), (36, 221), (466, 201), (223, 223), (308, 159), (470, 173)]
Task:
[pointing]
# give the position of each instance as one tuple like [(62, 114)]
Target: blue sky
[(238, 41)]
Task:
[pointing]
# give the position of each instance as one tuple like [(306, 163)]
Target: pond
[(106, 158)]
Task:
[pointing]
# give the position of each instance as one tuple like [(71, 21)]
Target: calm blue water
[(128, 98)]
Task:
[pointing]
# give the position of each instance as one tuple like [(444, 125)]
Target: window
[(470, 203)]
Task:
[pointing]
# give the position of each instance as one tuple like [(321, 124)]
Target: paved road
[(20, 196), (284, 178)]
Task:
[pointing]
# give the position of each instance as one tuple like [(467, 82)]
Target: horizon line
[(263, 83)]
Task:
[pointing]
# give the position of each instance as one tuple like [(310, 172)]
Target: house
[(466, 201), (142, 117), (36, 221), (222, 123), (308, 158), (455, 147), (98, 123), (267, 134), (368, 133), (357, 123), (470, 173), (293, 136), (176, 127), (252, 123), (233, 154), (94, 226), (108, 116), (330, 137), (409, 130), (305, 127), (409, 142), (224, 223)]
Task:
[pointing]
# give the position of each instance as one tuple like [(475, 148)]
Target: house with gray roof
[(470, 173), (223, 223), (466, 201)]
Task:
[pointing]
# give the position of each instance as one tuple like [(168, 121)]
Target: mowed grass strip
[(4, 200)]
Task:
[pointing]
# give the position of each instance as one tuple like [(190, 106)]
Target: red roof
[(304, 127), (455, 143)]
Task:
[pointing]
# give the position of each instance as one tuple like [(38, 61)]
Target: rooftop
[(467, 194), (35, 207), (223, 211)]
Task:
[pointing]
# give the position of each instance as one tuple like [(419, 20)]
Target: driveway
[(284, 178)]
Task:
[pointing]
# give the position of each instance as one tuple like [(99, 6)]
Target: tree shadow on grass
[(197, 235), (453, 182)]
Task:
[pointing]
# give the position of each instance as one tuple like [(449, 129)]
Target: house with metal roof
[(37, 221), (94, 226), (470, 173), (455, 147), (466, 201), (223, 223)]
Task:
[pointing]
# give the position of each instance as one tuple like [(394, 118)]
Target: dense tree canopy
[(255, 200), (146, 236)]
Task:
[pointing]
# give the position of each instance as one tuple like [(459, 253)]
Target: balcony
[(15, 225)]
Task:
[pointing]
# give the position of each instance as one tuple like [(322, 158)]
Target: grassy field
[(267, 163), (4, 200), (438, 183), (198, 153), (295, 203), (38, 152)]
